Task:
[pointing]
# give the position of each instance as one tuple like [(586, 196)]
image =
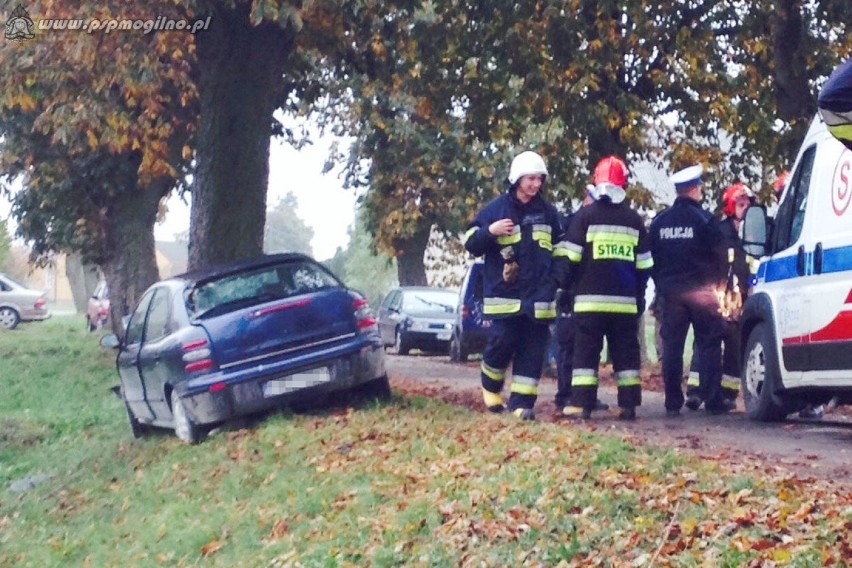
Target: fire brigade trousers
[(622, 336), (700, 308), (731, 365), (521, 341), (564, 336)]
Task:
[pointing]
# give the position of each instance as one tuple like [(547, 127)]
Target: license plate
[(297, 381), (444, 336)]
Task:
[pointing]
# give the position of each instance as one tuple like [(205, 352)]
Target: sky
[(323, 204)]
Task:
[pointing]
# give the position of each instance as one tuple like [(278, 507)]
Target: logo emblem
[(841, 184), (20, 26)]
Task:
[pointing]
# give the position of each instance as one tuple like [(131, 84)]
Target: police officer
[(519, 234), (736, 200), (610, 263), (690, 260)]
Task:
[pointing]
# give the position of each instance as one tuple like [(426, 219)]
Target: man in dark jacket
[(564, 330), (611, 260), (736, 200), (520, 236), (690, 266)]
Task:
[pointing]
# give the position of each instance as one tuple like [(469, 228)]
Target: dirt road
[(820, 449)]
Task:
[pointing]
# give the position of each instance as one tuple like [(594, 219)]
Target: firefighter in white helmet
[(520, 236)]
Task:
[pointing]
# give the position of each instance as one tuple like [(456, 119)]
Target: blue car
[(209, 346), (470, 332)]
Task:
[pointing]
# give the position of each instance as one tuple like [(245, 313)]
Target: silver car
[(18, 303)]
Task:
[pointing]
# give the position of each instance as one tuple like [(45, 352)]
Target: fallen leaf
[(212, 547)]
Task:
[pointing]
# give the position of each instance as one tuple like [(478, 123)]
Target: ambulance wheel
[(761, 378)]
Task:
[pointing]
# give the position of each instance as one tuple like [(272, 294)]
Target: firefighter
[(520, 235), (690, 265), (564, 330), (736, 200), (835, 103), (610, 262)]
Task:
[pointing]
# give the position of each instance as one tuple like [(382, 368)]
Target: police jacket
[(688, 248), (611, 259), (522, 269)]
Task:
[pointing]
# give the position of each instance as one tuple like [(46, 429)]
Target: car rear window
[(258, 285)]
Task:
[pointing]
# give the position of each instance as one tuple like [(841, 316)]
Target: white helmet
[(526, 164)]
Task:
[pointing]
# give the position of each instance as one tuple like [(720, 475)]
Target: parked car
[(97, 308), (204, 347), (18, 303), (470, 332), (417, 317)]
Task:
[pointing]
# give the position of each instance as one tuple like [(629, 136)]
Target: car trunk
[(272, 330)]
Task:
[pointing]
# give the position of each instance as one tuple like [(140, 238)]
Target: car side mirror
[(755, 232), (110, 341)]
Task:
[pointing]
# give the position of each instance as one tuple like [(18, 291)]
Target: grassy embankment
[(412, 482)]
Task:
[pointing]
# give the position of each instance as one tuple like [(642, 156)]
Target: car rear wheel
[(378, 388), (9, 318), (761, 377), (400, 345), (185, 428), (457, 352)]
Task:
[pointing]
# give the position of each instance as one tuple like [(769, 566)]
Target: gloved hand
[(640, 303)]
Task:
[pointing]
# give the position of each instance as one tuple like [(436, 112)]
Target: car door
[(387, 324), (128, 361), (154, 355)]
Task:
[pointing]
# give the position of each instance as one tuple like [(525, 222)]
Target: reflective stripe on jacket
[(522, 269), (609, 244)]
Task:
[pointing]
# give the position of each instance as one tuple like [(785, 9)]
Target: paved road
[(822, 449)]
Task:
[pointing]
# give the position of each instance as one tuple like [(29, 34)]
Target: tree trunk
[(130, 267), (240, 81), (409, 258), (793, 95), (82, 278)]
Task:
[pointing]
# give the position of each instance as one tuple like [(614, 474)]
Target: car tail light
[(364, 315), (197, 357), (39, 304)]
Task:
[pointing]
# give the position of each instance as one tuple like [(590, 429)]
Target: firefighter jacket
[(739, 268), (688, 248), (608, 245), (522, 269), (565, 296)]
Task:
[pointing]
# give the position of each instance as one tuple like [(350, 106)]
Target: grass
[(410, 482)]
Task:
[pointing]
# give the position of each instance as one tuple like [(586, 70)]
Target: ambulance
[(797, 322)]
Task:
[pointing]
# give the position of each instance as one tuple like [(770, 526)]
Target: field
[(412, 482)]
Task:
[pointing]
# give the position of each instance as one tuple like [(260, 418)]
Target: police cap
[(687, 177)]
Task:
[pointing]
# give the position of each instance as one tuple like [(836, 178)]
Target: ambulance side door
[(829, 265), (787, 272)]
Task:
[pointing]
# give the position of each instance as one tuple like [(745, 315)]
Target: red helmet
[(781, 182), (611, 169), (731, 195)]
